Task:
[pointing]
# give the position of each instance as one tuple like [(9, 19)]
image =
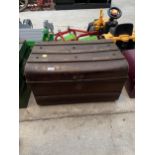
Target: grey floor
[(80, 129), (88, 135)]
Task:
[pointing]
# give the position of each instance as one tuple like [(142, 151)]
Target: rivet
[(44, 55)]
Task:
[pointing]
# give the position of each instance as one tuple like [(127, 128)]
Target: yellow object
[(114, 12), (100, 23), (123, 37)]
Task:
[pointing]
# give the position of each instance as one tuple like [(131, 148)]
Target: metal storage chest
[(72, 72)]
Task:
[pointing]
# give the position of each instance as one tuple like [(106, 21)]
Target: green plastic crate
[(24, 97), (30, 43), (24, 90)]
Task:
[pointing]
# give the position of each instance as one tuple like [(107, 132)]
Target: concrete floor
[(89, 135), (85, 129)]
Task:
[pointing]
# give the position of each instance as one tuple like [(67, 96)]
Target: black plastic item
[(81, 4), (125, 45), (110, 24), (64, 1), (120, 29)]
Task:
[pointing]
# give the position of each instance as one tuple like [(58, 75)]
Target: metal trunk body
[(77, 71)]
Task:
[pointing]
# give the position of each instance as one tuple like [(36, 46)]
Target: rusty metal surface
[(76, 57), (75, 98), (76, 71), (73, 48)]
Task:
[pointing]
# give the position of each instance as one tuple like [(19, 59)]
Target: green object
[(87, 38), (51, 37), (24, 97), (30, 43), (68, 37), (45, 34), (24, 90)]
